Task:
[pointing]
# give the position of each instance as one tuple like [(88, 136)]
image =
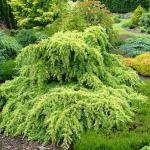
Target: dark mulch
[(19, 143)]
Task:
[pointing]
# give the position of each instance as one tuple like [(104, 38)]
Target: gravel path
[(11, 143), (144, 78)]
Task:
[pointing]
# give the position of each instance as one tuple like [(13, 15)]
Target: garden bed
[(20, 143)]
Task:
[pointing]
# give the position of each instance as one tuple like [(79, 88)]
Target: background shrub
[(141, 64), (95, 13), (86, 14), (74, 21), (9, 48), (144, 88), (124, 6), (135, 46), (82, 15), (137, 14), (145, 21), (7, 70), (29, 36), (36, 13)]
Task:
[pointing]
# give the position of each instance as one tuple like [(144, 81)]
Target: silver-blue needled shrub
[(135, 46), (68, 83)]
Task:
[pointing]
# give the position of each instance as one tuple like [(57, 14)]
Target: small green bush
[(29, 36), (36, 13), (145, 21), (9, 48), (137, 14), (143, 30), (74, 21), (117, 19), (135, 46), (7, 70), (140, 63), (83, 15)]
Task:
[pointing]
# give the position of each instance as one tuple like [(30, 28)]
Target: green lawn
[(124, 33)]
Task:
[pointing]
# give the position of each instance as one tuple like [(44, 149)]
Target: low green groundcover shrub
[(68, 83), (135, 46)]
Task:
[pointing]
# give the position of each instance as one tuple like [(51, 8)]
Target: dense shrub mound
[(135, 46), (82, 15), (68, 83), (137, 14), (29, 36), (140, 63), (145, 21), (9, 48), (36, 13)]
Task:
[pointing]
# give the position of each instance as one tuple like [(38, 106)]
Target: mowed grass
[(124, 33)]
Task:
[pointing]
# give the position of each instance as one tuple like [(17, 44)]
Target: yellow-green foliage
[(36, 12), (141, 64), (82, 15), (138, 13), (68, 83)]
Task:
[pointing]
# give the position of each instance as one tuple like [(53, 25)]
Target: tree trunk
[(6, 15)]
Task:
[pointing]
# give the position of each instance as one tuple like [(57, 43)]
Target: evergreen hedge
[(124, 6)]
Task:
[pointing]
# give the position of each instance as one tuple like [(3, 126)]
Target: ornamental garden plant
[(68, 83), (61, 83)]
